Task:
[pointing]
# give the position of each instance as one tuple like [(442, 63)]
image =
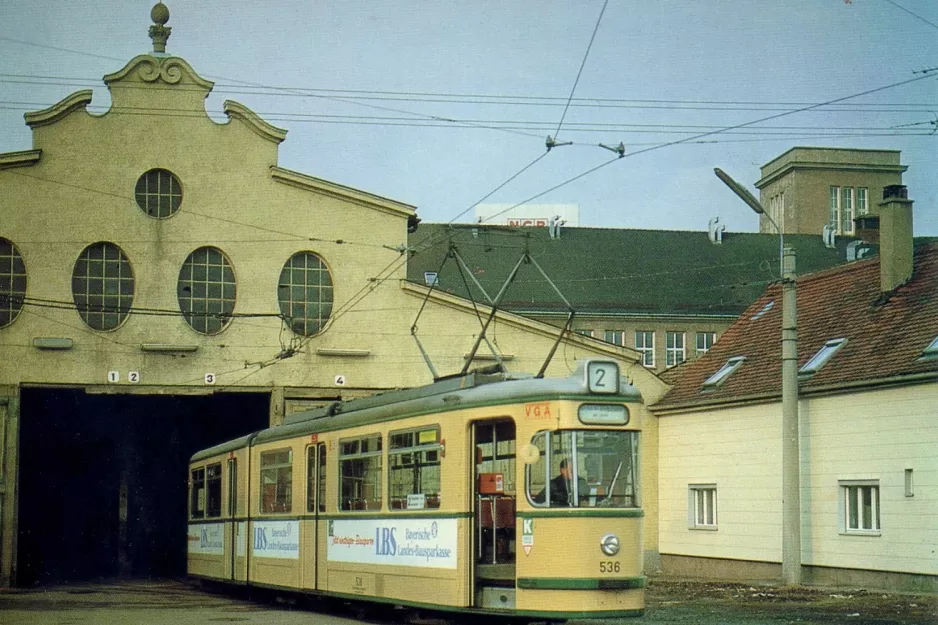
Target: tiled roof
[(614, 271), (885, 336)]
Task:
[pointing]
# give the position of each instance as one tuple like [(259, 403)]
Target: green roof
[(603, 271)]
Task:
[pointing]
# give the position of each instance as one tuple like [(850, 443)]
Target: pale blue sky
[(657, 73)]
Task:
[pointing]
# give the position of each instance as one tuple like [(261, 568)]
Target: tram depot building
[(167, 285)]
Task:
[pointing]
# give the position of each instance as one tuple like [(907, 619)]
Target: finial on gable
[(159, 32)]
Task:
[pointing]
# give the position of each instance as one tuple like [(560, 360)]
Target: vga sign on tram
[(426, 543)]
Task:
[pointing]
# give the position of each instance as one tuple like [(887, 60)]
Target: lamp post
[(791, 467)]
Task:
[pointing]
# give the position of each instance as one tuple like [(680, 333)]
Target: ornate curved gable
[(170, 70), (78, 100)]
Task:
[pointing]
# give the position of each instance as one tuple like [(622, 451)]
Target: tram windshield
[(584, 468)]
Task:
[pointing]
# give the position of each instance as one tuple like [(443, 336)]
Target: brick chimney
[(866, 228), (895, 237)]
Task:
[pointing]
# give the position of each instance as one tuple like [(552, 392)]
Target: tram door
[(315, 506), (236, 528), (494, 518)]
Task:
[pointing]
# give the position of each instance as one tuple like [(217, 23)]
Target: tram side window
[(197, 494), (213, 490), (414, 469), (360, 473), (277, 480)]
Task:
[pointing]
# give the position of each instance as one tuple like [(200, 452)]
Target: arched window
[(12, 282), (103, 286), (207, 290), (305, 293)]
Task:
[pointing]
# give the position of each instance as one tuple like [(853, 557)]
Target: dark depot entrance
[(102, 482)]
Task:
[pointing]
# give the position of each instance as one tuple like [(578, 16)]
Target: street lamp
[(756, 205), (791, 468)]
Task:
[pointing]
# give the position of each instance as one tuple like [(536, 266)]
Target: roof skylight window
[(764, 310), (930, 352), (725, 371), (821, 357)]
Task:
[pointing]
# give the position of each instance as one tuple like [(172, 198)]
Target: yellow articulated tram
[(475, 494)]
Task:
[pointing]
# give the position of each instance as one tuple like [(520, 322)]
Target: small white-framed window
[(705, 341), (616, 337), (675, 352), (645, 343), (859, 507), (702, 506), (724, 372), (821, 357), (585, 332)]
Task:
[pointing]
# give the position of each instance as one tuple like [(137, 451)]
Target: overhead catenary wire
[(531, 127), (915, 15), (925, 74), (482, 98), (580, 71)]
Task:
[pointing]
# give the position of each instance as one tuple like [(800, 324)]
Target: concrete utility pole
[(791, 437)]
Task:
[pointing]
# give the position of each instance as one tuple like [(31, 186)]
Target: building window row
[(644, 343), (846, 203), (858, 508), (103, 287)]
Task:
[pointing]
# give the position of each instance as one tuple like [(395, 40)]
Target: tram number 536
[(609, 567)]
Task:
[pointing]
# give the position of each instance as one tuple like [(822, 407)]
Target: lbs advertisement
[(427, 543)]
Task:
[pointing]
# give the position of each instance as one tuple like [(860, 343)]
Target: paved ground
[(668, 602)]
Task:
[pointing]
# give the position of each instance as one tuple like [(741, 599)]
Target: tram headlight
[(610, 544)]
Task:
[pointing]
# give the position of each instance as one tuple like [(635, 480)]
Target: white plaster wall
[(877, 436), (738, 450), (872, 435)]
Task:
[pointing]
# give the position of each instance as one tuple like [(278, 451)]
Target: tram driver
[(561, 488)]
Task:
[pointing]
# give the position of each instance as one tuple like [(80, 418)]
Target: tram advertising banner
[(277, 539), (428, 543), (206, 538)]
